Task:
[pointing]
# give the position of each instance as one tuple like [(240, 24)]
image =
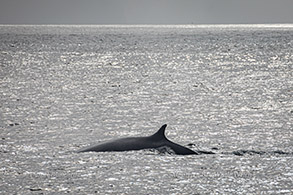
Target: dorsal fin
[(160, 134)]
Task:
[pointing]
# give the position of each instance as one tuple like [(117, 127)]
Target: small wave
[(239, 152), (254, 152)]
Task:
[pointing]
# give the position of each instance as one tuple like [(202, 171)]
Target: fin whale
[(155, 141)]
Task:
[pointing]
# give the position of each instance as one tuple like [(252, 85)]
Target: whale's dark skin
[(155, 141)]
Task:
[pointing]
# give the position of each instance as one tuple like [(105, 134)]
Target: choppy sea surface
[(223, 88)]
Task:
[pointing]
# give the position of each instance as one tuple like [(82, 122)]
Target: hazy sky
[(145, 11)]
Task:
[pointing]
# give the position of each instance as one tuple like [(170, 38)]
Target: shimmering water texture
[(226, 89)]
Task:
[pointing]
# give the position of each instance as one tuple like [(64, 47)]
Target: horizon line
[(187, 24)]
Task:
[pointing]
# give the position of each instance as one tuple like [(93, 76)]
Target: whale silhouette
[(156, 141)]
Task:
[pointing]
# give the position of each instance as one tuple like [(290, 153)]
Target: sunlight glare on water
[(224, 88)]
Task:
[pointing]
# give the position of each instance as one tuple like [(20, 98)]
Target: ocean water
[(223, 88)]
